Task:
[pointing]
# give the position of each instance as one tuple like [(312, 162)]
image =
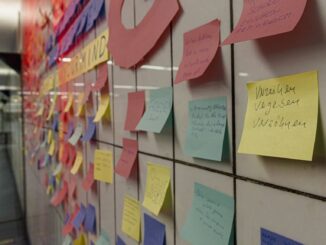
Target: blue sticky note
[(81, 22), (154, 231), (210, 219), (79, 219), (158, 110), (206, 129), (90, 129), (120, 241), (90, 219), (55, 123), (271, 238)]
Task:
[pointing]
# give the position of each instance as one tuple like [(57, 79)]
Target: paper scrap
[(104, 108), (69, 102), (90, 219), (80, 217), (89, 180), (154, 231), (128, 158), (131, 218), (158, 110), (120, 241), (271, 238), (78, 162), (206, 129), (90, 131), (135, 110), (199, 49), (266, 18), (210, 219), (76, 135), (157, 184), (129, 46), (281, 117), (103, 166)]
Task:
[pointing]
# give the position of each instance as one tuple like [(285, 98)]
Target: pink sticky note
[(135, 111), (60, 196), (102, 77), (128, 158), (89, 180), (68, 228), (199, 49), (129, 46), (266, 18), (72, 155)]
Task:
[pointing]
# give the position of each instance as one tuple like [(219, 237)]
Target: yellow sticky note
[(103, 166), (157, 184), (69, 102), (81, 109), (281, 118), (81, 240), (104, 108), (40, 111), (51, 111), (52, 148), (131, 218), (78, 162), (50, 136)]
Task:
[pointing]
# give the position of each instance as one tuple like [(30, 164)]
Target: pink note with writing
[(262, 18), (128, 158), (135, 110), (89, 180), (199, 49)]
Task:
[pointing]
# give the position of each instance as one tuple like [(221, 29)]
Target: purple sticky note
[(90, 219), (94, 10), (271, 238), (79, 219), (120, 241), (90, 129), (70, 131), (154, 231)]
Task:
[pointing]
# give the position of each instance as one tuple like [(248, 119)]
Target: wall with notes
[(170, 184)]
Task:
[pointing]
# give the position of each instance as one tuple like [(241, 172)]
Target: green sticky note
[(157, 111), (103, 239), (206, 129), (210, 219), (67, 240)]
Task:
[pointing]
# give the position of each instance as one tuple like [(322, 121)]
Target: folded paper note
[(158, 110), (128, 158), (104, 108), (266, 18), (135, 111), (281, 117), (210, 219), (271, 238), (154, 231), (199, 49), (131, 218), (206, 129), (157, 185), (103, 166)]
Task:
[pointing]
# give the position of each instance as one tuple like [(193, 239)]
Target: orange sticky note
[(135, 111), (128, 158)]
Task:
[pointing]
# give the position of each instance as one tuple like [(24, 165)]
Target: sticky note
[(135, 110), (52, 107), (76, 135), (102, 76), (81, 240), (103, 166), (271, 238), (70, 131), (131, 218), (199, 49), (281, 117), (103, 240), (55, 122), (57, 169), (157, 111), (206, 128), (210, 219), (89, 180), (157, 184), (80, 217), (69, 102), (60, 195), (90, 131), (104, 108), (266, 18), (80, 111), (50, 136), (78, 162), (40, 110), (67, 240), (90, 219), (120, 241), (154, 231), (51, 148), (72, 155), (68, 227), (128, 158)]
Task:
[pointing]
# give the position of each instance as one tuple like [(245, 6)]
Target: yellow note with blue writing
[(157, 185), (281, 117), (103, 166), (131, 218)]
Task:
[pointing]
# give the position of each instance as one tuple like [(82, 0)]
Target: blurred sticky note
[(69, 102), (90, 219), (154, 231), (104, 108), (55, 123), (70, 131), (50, 136), (266, 18), (210, 219), (103, 166), (60, 195), (90, 131), (52, 148), (281, 117), (206, 129), (78, 162), (76, 135), (128, 158), (157, 185), (81, 240), (158, 110), (120, 241), (271, 238), (199, 49), (80, 105), (67, 240), (68, 227), (135, 110), (89, 180), (131, 218), (103, 240), (40, 110), (80, 217), (52, 107)]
